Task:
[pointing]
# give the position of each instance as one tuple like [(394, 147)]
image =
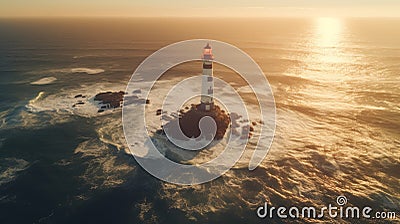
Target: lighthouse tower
[(207, 85)]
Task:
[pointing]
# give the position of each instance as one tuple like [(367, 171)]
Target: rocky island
[(189, 121)]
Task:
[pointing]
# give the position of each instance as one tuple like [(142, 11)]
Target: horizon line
[(183, 17)]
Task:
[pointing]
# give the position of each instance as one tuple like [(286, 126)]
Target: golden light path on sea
[(327, 50), (327, 31)]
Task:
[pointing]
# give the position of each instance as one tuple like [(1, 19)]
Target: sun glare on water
[(328, 31), (325, 61), (327, 52)]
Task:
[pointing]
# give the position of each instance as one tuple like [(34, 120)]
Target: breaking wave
[(89, 71), (44, 81), (77, 101)]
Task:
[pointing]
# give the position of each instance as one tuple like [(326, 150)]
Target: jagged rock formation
[(189, 121), (113, 99)]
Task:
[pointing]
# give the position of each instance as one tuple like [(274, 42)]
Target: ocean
[(336, 89)]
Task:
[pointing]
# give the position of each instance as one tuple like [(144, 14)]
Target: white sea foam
[(44, 81), (38, 97), (103, 167), (81, 70), (3, 119), (59, 107), (89, 71), (79, 101)]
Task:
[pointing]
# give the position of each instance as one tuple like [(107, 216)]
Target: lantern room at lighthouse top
[(207, 53)]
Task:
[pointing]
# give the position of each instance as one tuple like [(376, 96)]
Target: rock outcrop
[(112, 99), (189, 121)]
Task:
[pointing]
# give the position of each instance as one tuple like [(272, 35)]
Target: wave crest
[(44, 81)]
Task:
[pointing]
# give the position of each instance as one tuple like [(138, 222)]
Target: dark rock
[(189, 121), (113, 99), (99, 111), (79, 95), (254, 123), (147, 101), (251, 128), (159, 112)]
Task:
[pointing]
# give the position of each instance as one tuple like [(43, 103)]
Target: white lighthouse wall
[(207, 97)]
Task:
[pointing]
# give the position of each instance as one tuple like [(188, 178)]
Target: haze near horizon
[(205, 8)]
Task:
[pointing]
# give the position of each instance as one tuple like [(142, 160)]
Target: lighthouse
[(188, 122), (207, 84)]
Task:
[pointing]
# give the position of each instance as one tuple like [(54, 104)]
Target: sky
[(199, 8)]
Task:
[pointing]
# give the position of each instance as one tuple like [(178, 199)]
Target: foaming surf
[(76, 70), (89, 71), (44, 81), (77, 101), (103, 166)]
